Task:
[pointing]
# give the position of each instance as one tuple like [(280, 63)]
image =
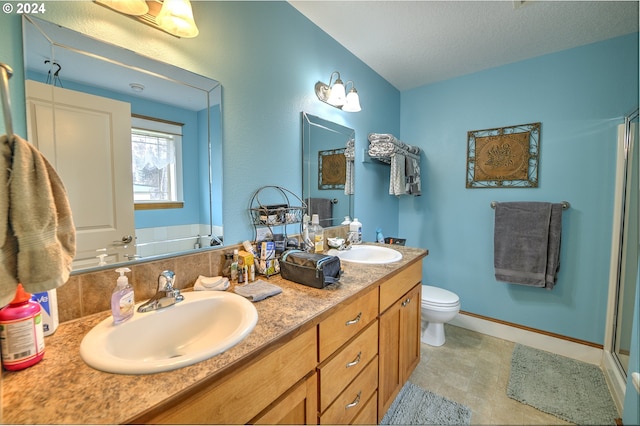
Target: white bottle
[(346, 221), (316, 234), (122, 300), (356, 226)]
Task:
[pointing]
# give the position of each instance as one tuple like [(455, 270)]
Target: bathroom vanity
[(337, 355)]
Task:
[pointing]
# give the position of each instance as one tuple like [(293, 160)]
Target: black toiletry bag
[(311, 269)]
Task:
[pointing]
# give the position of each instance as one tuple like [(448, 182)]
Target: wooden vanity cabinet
[(346, 370), (251, 390), (299, 406), (399, 336), (348, 355)]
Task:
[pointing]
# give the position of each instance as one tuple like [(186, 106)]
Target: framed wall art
[(332, 169), (503, 157)]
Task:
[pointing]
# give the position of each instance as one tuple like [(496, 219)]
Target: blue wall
[(579, 96), (268, 57)]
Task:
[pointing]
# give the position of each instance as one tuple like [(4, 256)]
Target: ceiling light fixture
[(335, 94), (171, 16)]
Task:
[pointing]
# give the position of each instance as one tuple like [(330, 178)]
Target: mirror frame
[(310, 174), (59, 37)]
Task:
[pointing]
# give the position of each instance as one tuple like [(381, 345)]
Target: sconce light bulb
[(352, 103), (337, 95), (176, 17)]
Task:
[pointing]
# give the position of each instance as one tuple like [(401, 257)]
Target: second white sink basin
[(368, 254), (204, 324)]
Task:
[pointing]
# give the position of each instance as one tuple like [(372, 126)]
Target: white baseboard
[(535, 340)]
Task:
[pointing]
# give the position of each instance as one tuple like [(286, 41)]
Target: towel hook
[(56, 76), (565, 204), (5, 74)]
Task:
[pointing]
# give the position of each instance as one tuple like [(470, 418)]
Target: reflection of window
[(156, 148)]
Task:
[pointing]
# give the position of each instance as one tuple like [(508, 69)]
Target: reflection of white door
[(87, 139)]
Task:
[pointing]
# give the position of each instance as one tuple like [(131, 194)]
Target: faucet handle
[(166, 280)]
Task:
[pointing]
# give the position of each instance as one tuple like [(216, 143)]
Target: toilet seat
[(439, 297)]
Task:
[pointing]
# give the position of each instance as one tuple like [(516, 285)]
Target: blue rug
[(566, 388), (416, 406)]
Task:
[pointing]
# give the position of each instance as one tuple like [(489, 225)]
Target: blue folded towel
[(257, 290)]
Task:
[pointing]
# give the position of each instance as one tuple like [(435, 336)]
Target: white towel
[(37, 234), (397, 178), (211, 283)]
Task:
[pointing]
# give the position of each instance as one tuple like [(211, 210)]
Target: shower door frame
[(614, 371)]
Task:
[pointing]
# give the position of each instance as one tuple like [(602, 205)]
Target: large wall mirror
[(328, 176), (137, 143)]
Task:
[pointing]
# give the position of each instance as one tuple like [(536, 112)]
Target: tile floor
[(473, 369)]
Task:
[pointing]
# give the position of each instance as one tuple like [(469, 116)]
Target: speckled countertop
[(62, 389)]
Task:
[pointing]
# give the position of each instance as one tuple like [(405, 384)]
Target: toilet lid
[(438, 296)]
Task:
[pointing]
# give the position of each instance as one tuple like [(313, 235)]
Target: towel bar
[(565, 204)]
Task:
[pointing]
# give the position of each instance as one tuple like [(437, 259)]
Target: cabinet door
[(410, 336), (298, 407), (399, 348)]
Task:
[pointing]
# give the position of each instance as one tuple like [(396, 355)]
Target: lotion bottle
[(356, 227), (316, 234), (122, 300)]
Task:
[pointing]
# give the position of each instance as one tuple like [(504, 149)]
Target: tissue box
[(48, 302)]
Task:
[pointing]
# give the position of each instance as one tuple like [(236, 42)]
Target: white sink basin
[(368, 254), (204, 324)]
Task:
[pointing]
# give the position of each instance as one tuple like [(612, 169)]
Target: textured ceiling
[(413, 43)]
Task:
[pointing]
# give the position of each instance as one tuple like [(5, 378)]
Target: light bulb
[(337, 95), (176, 17), (353, 102)]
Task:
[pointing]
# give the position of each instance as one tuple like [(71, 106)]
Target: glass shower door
[(630, 239)]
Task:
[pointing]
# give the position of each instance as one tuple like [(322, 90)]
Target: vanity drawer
[(369, 413), (355, 398), (340, 370), (345, 323), (395, 287)]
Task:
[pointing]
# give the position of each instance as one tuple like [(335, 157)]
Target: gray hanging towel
[(323, 207), (527, 243)]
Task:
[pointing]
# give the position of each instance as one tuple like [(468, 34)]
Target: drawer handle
[(355, 320), (355, 361), (355, 401), (406, 302)]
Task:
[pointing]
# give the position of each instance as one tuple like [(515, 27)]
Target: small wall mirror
[(328, 176), (137, 143)]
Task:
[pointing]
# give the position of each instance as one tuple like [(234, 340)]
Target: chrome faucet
[(166, 294), (352, 238)]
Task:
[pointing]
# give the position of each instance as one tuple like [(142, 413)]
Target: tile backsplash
[(88, 293)]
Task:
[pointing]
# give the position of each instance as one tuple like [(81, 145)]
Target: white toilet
[(438, 306)]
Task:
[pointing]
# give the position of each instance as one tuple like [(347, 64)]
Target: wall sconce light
[(171, 16), (334, 94)]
